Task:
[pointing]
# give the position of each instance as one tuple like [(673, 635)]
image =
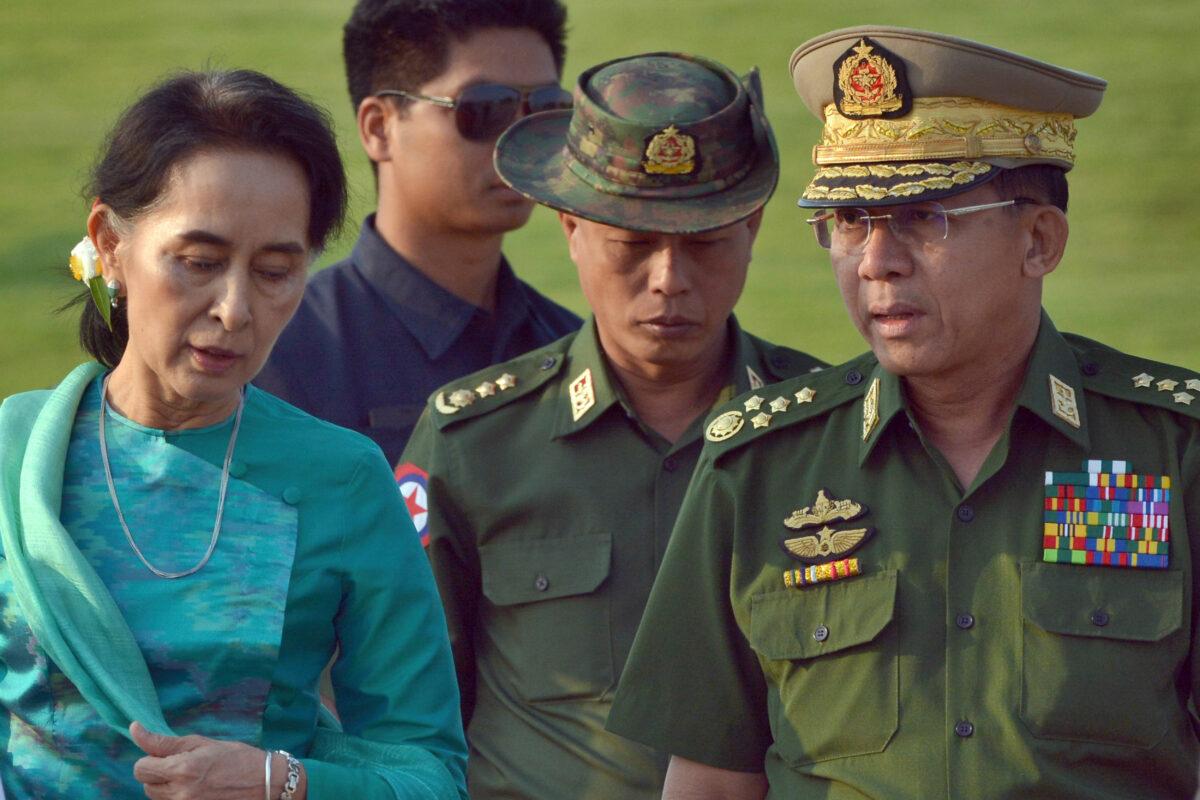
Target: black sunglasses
[(483, 111)]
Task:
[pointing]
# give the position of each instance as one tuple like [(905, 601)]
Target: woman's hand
[(199, 768)]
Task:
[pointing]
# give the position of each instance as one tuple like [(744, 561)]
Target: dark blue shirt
[(374, 337)]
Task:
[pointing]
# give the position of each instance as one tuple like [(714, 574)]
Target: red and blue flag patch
[(413, 483)]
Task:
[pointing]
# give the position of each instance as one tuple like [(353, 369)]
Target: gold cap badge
[(670, 152), (869, 81)]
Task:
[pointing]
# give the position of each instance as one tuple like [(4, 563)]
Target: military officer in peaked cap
[(552, 481), (961, 564)]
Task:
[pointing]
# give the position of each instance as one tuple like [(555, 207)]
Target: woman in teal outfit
[(183, 552)]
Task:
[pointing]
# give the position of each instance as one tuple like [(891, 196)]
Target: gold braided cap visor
[(949, 128)]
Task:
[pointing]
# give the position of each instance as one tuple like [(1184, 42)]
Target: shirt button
[(541, 582), (779, 362), (965, 513), (237, 469), (669, 465), (1099, 618), (964, 729), (853, 377), (548, 362), (821, 633), (965, 621), (272, 713), (1090, 368), (292, 495)]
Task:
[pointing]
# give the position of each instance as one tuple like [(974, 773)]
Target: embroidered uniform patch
[(1107, 515), (413, 483)]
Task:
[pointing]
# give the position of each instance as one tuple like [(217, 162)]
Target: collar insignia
[(583, 394), (724, 426), (869, 81), (756, 381), (670, 152), (1062, 402), (871, 409)]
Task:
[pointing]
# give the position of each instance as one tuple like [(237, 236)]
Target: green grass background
[(67, 69)]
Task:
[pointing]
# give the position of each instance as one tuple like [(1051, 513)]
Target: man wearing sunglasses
[(427, 296), (554, 478), (960, 565)]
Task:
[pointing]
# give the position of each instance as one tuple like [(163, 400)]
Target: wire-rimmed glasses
[(848, 230)]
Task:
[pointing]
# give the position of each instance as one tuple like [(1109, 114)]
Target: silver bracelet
[(267, 775), (293, 776)]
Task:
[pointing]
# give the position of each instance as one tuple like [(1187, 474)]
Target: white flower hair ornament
[(86, 266)]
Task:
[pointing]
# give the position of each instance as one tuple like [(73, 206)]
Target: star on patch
[(1193, 384), (485, 389), (506, 381), (760, 420), (805, 395), (754, 403), (780, 404), (1142, 381), (1167, 385), (1183, 398)]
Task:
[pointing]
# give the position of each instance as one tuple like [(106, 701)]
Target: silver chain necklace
[(112, 489)]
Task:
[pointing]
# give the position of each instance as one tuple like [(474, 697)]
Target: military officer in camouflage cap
[(552, 481), (961, 564)]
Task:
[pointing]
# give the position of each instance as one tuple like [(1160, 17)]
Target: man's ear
[(375, 115), (1048, 230), (106, 235)]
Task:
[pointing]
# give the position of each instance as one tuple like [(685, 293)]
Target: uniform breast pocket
[(1101, 650), (548, 633), (830, 652)]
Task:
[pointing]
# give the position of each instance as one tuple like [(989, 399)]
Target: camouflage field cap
[(661, 142), (912, 115)]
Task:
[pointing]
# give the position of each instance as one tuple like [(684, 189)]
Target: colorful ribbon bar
[(1110, 493), (1133, 560), (1109, 520), (1098, 465), (1106, 506), (1119, 480), (1105, 532), (819, 573), (1106, 545)]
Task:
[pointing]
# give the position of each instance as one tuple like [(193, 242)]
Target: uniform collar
[(1052, 390), (588, 388), (434, 316)]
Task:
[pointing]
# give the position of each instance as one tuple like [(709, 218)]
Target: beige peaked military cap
[(913, 115)]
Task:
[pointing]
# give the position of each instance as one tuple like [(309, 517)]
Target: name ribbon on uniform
[(1107, 515)]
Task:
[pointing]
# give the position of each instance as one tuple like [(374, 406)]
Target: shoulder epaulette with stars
[(778, 405), (493, 387), (1115, 374)]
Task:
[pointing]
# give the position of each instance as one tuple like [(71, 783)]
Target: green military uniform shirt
[(550, 506), (960, 662)]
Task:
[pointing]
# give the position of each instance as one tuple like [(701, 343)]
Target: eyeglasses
[(848, 230), (483, 111)]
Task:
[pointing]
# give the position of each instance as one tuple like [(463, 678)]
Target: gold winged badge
[(827, 542)]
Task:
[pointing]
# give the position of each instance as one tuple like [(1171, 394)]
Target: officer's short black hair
[(402, 44), (1045, 183)]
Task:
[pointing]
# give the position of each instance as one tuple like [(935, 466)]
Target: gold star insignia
[(485, 389), (506, 381), (1167, 385), (805, 395), (1192, 384), (461, 398), (760, 420), (1183, 397), (1142, 381), (754, 404), (780, 404)]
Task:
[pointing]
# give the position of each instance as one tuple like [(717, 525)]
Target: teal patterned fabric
[(210, 640)]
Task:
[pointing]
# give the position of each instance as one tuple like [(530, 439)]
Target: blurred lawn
[(1129, 278)]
